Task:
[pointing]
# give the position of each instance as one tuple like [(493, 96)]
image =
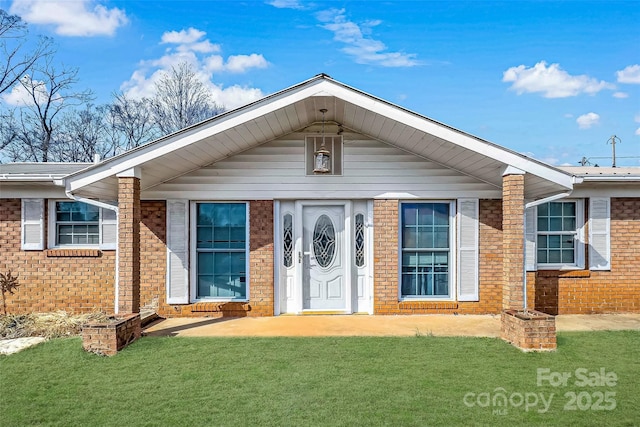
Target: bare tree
[(15, 60), (181, 99), (47, 92), (132, 120), (83, 134)]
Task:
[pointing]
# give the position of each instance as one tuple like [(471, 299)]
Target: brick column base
[(531, 331), (109, 338)]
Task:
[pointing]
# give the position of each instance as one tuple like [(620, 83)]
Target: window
[(359, 240), (221, 250), (558, 238), (426, 250), (77, 224), (287, 241)]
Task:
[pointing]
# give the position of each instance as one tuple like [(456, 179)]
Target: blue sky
[(550, 79)]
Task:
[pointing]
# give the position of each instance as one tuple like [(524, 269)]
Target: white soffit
[(297, 107)]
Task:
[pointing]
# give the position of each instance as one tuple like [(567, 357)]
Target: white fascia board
[(455, 136), (183, 139)]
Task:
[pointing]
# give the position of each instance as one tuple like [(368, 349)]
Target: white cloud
[(241, 63), (637, 132), (84, 18), (190, 35), (285, 4), (568, 116), (551, 81), (191, 46), (20, 97), (365, 50), (637, 118), (586, 121), (630, 74), (620, 95)]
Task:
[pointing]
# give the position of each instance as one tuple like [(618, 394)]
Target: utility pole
[(613, 141)]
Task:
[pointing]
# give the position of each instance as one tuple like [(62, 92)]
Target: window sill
[(219, 306), (428, 304), (563, 273), (57, 253)]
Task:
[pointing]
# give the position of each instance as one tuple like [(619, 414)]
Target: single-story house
[(320, 198)]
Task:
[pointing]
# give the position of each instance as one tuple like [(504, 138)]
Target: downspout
[(524, 246), (112, 208)]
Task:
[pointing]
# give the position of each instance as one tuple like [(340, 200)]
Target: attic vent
[(333, 143)]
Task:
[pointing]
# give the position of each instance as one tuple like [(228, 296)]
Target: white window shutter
[(599, 233), (530, 225), (468, 250), (108, 229), (177, 251), (32, 224)]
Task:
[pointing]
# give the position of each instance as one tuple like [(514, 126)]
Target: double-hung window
[(77, 224), (221, 250), (426, 250), (559, 234)]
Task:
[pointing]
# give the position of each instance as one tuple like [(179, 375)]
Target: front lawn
[(325, 381)]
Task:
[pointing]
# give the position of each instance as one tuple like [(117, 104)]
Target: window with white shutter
[(177, 251), (32, 214), (468, 240), (599, 233)]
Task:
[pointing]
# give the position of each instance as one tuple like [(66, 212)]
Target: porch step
[(147, 317)]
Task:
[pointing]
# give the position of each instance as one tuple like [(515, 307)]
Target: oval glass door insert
[(324, 241)]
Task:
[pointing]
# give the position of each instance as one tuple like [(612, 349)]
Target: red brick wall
[(584, 291), (77, 281), (386, 280), (153, 254), (261, 271)]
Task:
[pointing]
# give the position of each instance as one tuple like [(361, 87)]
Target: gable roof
[(295, 108)]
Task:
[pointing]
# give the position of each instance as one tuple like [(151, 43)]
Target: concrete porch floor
[(363, 325)]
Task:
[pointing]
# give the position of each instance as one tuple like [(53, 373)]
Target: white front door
[(324, 266)]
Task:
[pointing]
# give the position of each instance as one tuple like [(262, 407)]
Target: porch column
[(512, 238), (129, 241)]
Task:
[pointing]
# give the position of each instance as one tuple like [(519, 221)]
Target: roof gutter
[(115, 209)]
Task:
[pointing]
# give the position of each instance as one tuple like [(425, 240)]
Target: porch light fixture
[(322, 157)]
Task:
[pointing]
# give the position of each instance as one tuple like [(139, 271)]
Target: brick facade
[(584, 291), (153, 266), (82, 280), (77, 281), (385, 252)]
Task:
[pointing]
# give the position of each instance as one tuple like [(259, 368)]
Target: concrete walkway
[(362, 325)]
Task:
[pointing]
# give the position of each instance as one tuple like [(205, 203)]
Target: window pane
[(543, 210), (441, 239), (568, 224), (554, 241), (441, 214), (555, 209), (410, 238), (555, 224), (567, 257), (205, 263), (409, 214), (204, 237), (569, 209), (425, 237), (221, 263), (543, 223), (554, 256), (542, 256)]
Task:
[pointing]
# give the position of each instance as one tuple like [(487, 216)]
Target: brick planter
[(530, 331), (110, 337)]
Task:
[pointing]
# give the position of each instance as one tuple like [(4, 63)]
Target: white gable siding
[(276, 170)]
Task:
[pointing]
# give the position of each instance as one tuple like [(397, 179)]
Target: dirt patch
[(48, 325)]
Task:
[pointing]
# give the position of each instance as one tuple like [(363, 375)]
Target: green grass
[(312, 381)]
